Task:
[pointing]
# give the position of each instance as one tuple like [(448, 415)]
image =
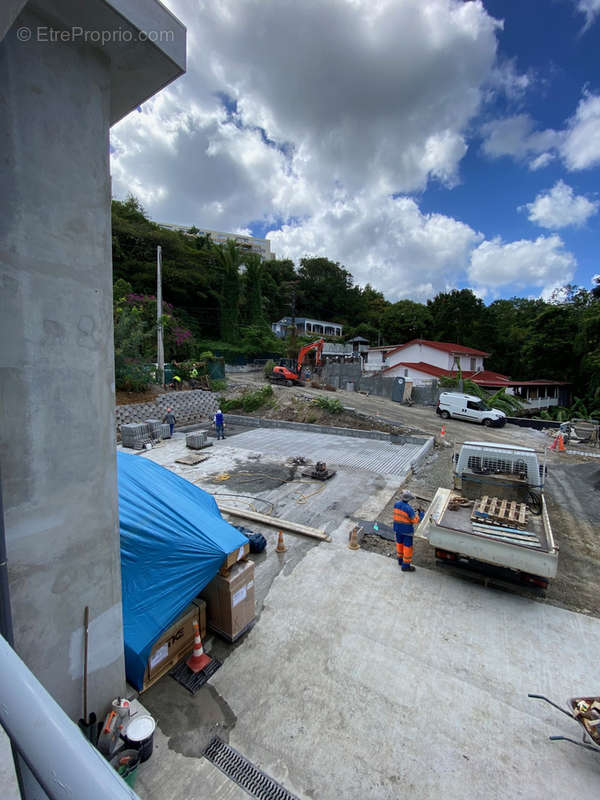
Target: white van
[(470, 407)]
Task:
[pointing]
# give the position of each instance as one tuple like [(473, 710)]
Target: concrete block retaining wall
[(188, 407)]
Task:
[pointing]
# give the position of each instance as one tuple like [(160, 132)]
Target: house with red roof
[(422, 361)]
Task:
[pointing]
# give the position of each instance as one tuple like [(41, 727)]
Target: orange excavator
[(285, 376)]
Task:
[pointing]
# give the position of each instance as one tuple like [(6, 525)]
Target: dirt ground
[(572, 488), (126, 398)]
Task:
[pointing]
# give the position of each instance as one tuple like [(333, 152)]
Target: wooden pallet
[(496, 511)]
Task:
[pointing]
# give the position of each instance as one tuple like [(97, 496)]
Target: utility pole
[(159, 315)]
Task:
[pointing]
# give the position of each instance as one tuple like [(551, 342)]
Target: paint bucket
[(126, 764), (139, 735)]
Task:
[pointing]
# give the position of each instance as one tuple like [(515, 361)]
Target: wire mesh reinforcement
[(244, 773)]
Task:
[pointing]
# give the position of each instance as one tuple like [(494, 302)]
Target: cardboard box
[(230, 601), (175, 643), (237, 555)]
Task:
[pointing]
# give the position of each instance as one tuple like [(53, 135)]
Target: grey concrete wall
[(188, 407), (339, 374), (56, 365), (426, 395), (377, 385)]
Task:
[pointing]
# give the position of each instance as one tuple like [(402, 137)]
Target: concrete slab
[(370, 683), (345, 452), (361, 681)]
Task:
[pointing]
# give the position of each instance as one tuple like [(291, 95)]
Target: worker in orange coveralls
[(405, 518)]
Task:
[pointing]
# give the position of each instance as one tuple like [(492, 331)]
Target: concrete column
[(56, 366)]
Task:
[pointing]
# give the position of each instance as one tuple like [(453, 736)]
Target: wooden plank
[(275, 522), (512, 511), (523, 514), (502, 510)]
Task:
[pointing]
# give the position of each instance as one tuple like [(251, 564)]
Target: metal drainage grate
[(192, 681), (244, 773)]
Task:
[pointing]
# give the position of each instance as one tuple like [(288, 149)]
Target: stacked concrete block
[(165, 431), (196, 441), (136, 435), (154, 425)]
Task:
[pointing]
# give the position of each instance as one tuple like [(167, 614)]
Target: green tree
[(323, 288), (229, 259), (457, 317), (406, 320), (253, 299)]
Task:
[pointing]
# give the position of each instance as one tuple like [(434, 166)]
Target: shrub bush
[(331, 405), (248, 402), (131, 377)]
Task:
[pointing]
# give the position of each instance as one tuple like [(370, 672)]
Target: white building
[(306, 326), (407, 360), (249, 243), (421, 361)]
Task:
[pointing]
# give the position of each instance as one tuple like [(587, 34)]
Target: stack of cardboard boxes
[(225, 605)]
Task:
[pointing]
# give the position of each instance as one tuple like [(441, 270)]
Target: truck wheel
[(289, 383), (487, 422), (444, 415)]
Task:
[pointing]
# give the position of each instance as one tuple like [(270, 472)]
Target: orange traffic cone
[(561, 444), (353, 543), (198, 660), (281, 548), (443, 431), (554, 443)]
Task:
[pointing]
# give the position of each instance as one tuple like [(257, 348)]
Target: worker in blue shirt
[(405, 518), (220, 424)]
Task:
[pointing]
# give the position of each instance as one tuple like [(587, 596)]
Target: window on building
[(473, 366), (406, 373)]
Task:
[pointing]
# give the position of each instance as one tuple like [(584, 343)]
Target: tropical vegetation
[(221, 299)]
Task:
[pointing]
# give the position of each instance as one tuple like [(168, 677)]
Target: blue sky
[(424, 144)]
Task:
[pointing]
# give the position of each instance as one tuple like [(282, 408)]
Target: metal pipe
[(64, 763)]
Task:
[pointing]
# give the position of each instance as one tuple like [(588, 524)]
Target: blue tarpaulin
[(173, 542)]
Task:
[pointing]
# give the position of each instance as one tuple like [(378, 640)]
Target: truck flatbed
[(531, 550)]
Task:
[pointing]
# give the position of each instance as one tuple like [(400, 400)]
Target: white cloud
[(591, 9), (581, 147), (521, 264), (541, 161), (561, 207), (386, 242), (515, 136), (578, 144), (505, 78), (322, 99)]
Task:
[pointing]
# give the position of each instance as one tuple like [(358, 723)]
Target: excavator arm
[(318, 346)]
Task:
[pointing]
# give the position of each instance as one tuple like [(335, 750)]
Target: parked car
[(469, 407)]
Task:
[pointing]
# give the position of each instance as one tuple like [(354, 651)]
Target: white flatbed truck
[(495, 515)]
